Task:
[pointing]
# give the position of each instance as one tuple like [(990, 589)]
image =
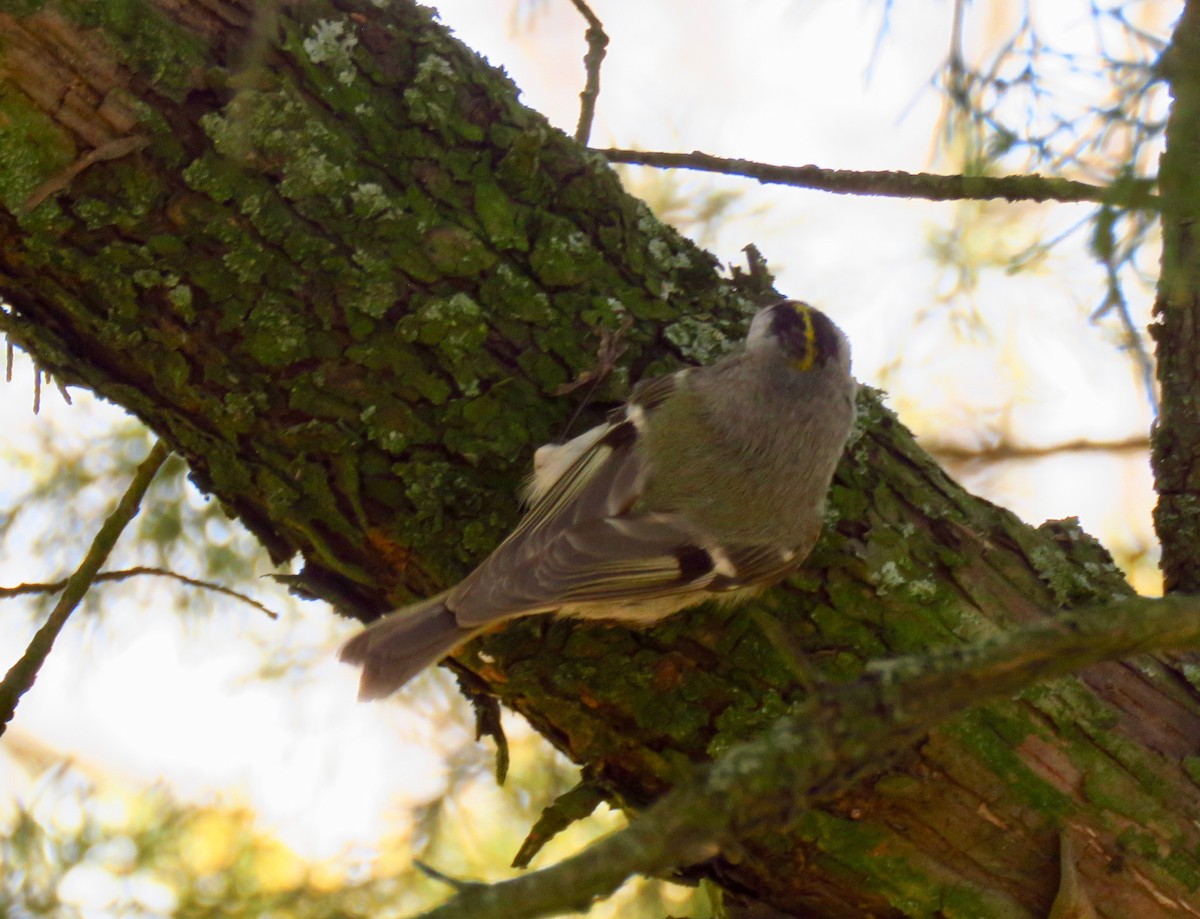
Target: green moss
[(475, 439), (456, 253), (320, 402), (890, 868), (696, 339), (432, 99), (217, 177), (515, 297), (563, 256), (1067, 583), (1071, 707), (961, 902), (500, 218), (1181, 864), (182, 298), (276, 333), (34, 149), (149, 42), (841, 631), (1109, 786), (743, 716), (394, 425), (540, 366), (436, 490), (1191, 765), (241, 409), (373, 297), (455, 326), (171, 367), (994, 739)]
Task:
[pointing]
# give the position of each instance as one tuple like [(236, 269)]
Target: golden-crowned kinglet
[(709, 483)]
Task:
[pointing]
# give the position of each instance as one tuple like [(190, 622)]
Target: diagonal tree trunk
[(1177, 306), (323, 251)]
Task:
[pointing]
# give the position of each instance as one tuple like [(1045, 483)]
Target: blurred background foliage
[(81, 844), (79, 839)]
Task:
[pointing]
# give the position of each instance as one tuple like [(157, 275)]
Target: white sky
[(154, 701)]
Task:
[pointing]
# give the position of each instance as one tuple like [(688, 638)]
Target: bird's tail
[(402, 644)]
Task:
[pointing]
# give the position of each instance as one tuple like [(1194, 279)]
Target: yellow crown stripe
[(810, 338)]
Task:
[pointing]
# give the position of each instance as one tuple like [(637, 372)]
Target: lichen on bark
[(345, 279)]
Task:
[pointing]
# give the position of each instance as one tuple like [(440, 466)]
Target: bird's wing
[(755, 565), (643, 557), (607, 475), (579, 541), (650, 556), (551, 461)]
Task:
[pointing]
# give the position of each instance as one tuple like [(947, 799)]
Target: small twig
[(22, 675), (612, 346), (1114, 300), (126, 573), (597, 43), (114, 149), (442, 878), (895, 184), (1006, 450)]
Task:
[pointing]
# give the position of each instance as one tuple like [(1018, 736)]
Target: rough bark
[(327, 256), (1177, 436)]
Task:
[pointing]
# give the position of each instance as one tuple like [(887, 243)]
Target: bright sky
[(154, 700)]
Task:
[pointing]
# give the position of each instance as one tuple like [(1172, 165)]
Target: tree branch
[(895, 184), (1176, 440), (50, 587), (22, 675), (1002, 450), (826, 745), (597, 41)]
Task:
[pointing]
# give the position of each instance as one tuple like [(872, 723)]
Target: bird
[(708, 483)]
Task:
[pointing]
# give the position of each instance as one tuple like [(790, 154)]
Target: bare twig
[(442, 878), (597, 43), (137, 571), (22, 675), (895, 184), (612, 346), (1113, 256), (1006, 450)]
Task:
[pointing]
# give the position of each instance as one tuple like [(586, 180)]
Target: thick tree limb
[(825, 746)]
